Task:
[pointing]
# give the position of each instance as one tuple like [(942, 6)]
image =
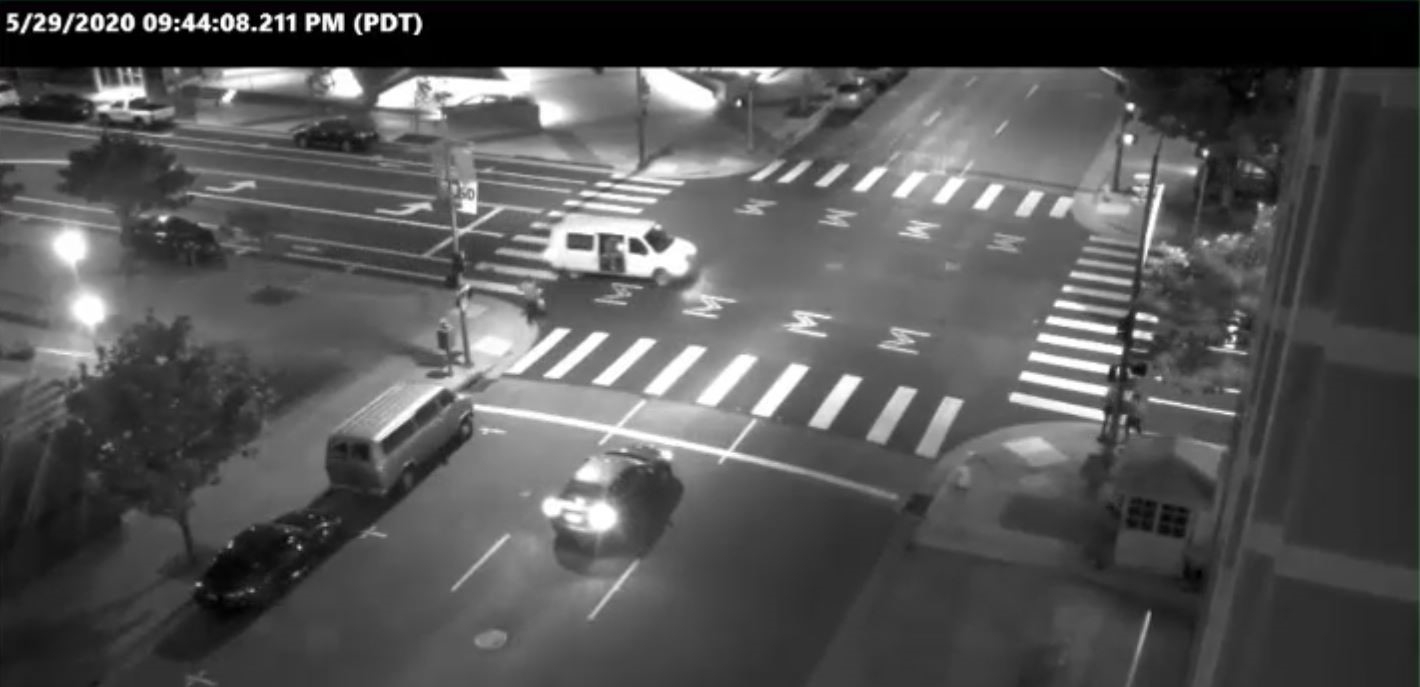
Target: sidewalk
[(1121, 215), (993, 586), (333, 340)]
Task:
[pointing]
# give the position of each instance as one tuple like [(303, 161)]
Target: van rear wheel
[(662, 277), (466, 429), (406, 481)]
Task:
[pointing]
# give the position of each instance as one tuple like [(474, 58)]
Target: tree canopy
[(129, 174), (158, 415)]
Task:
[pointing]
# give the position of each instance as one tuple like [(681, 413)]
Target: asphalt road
[(745, 587)]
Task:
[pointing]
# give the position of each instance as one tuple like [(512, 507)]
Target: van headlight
[(551, 507), (601, 516)]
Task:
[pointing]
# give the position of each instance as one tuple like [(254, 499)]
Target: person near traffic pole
[(1135, 411), (534, 304), (444, 335)]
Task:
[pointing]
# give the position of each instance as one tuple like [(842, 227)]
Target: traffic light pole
[(457, 271), (641, 88)]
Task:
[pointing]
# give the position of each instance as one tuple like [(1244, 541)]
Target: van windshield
[(658, 239)]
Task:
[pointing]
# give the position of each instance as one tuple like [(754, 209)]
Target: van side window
[(427, 412), (637, 247), (397, 438), (579, 241)]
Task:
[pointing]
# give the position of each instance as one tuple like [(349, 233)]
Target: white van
[(378, 447), (616, 246)]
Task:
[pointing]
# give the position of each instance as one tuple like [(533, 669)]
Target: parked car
[(61, 107), (881, 78), (265, 560), (9, 97), (136, 112), (339, 132), (853, 96), (167, 237)]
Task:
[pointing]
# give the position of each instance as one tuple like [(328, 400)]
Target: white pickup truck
[(136, 112)]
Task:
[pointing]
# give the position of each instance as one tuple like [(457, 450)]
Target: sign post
[(457, 184)]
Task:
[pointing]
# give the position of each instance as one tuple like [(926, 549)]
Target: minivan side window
[(637, 247), (427, 412), (579, 241), (397, 438)]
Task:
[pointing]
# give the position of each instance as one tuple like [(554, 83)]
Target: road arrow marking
[(233, 188), (408, 209)]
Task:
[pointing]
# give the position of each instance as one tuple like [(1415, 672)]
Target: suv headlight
[(601, 516), (551, 507)]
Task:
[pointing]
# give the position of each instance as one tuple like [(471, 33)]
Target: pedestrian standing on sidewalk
[(1135, 411), (1110, 408), (534, 305)]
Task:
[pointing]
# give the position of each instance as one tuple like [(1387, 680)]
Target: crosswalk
[(1067, 369), (938, 189), (621, 195), (903, 418)]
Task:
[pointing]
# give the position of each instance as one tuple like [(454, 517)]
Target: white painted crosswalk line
[(1104, 310), (891, 415), (658, 190), (1100, 278), (1105, 265), (988, 197), (1079, 344), (1061, 207), (1115, 296), (762, 174), (604, 207), (577, 355), (515, 271), (539, 350), (832, 175), (1071, 363), (607, 195), (905, 188), (796, 172), (1066, 384), (773, 398), (1112, 253), (492, 287), (1027, 206), (672, 372), (531, 239), (950, 189), (624, 362), (518, 253), (872, 178), (931, 444), (1111, 241), (1072, 409), (833, 403), (726, 381), (655, 180)]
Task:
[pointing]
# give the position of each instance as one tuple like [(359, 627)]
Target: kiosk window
[(579, 241)]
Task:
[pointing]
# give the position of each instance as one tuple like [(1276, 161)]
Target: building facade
[(1314, 582)]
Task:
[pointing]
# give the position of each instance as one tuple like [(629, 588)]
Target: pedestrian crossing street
[(939, 189), (1068, 367), (899, 417), (621, 195)]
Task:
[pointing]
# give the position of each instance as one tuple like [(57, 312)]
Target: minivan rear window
[(346, 450), (579, 241)]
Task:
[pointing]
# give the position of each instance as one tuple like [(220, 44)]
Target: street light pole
[(1121, 142), (754, 80), (456, 269), (642, 89), (1202, 193)]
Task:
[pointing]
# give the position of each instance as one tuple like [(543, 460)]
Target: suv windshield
[(586, 490), (658, 239)]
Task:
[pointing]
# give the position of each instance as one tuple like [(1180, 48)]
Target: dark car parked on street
[(167, 237), (265, 560), (339, 132), (59, 107)]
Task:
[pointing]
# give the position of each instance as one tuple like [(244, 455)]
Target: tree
[(258, 228), (319, 82), (159, 414), (8, 191), (423, 96), (128, 173), (1198, 291)]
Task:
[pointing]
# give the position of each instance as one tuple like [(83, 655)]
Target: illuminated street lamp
[(1202, 190), (72, 247), (1125, 140), (89, 310)]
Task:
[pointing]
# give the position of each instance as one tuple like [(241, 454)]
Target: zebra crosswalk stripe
[(931, 444), (891, 414), (1027, 206), (833, 403), (577, 355), (539, 350), (906, 187), (948, 190), (871, 178), (674, 371), (726, 381), (772, 399), (624, 362), (762, 174), (794, 173), (1061, 206), (987, 197), (832, 175)]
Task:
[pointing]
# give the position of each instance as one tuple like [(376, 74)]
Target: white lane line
[(1100, 278), (988, 197), (931, 444), (1061, 206), (1032, 90), (492, 287), (461, 231), (539, 350), (949, 190), (655, 180), (832, 175), (1000, 127), (1115, 296), (615, 587), (1068, 363), (618, 186), (624, 362), (518, 253), (1190, 406), (887, 420), (726, 381), (1110, 240), (1066, 384), (515, 271), (872, 178), (605, 207), (762, 174), (530, 238), (640, 403), (932, 118), (607, 195), (1104, 265), (796, 172), (1072, 409), (735, 445), (481, 561), (672, 372), (690, 447), (1027, 206), (1079, 344), (577, 355), (1111, 253), (833, 404), (773, 398), (908, 184)]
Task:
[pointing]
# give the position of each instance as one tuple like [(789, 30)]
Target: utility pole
[(753, 82), (1202, 193), (1122, 141), (456, 268), (643, 93)]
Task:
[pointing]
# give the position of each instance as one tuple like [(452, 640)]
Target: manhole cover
[(491, 640)]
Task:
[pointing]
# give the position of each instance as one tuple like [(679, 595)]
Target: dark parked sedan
[(339, 133), (266, 560), (176, 239), (60, 107)]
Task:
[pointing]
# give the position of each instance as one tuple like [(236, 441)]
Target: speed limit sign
[(465, 193)]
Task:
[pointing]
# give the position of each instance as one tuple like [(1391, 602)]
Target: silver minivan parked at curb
[(378, 447)]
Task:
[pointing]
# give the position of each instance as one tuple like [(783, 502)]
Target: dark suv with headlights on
[(619, 494), (265, 560)]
